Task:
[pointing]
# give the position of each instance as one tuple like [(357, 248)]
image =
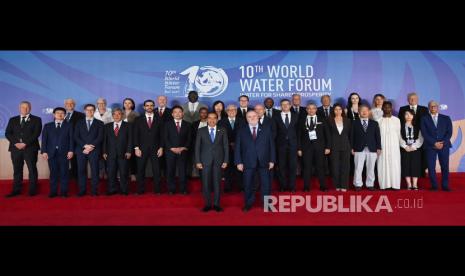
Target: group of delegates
[(239, 144)]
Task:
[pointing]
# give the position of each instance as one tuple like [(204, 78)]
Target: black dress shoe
[(64, 195), (246, 208), (33, 194), (206, 209), (323, 189), (110, 193), (282, 190), (293, 191), (186, 193), (227, 190), (446, 189), (12, 195), (357, 189), (218, 208), (433, 189), (171, 193), (94, 194), (306, 190), (81, 194), (371, 188), (52, 195)]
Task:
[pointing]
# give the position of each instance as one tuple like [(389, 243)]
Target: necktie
[(161, 112), (68, 116), (88, 124), (286, 120), (212, 134), (326, 112), (254, 133), (232, 124), (178, 128), (312, 123), (116, 129), (365, 125), (296, 110), (23, 121), (58, 126), (244, 112), (149, 122), (269, 113)]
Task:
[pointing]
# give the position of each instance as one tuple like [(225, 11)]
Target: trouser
[(19, 157), (359, 161)]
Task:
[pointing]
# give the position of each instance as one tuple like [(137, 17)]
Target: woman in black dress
[(353, 102), (410, 154)]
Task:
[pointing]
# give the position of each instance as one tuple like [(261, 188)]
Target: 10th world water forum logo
[(208, 81)]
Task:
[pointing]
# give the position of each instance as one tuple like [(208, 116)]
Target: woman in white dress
[(389, 168), (376, 111)]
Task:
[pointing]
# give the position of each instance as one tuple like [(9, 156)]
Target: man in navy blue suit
[(437, 130), (88, 136), (57, 149), (254, 152)]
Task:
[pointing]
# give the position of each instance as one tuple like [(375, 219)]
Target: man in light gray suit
[(191, 108), (211, 156)]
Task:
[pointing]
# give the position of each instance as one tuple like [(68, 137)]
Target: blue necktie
[(68, 116), (88, 125), (232, 124), (212, 134), (286, 121)]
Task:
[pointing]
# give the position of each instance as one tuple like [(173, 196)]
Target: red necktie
[(254, 133), (178, 128), (161, 112), (116, 130), (149, 123)]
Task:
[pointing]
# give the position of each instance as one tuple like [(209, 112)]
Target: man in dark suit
[(325, 110), (72, 116), (366, 146), (313, 144), (23, 132), (243, 106), (88, 137), (162, 111), (254, 152), (285, 127), (419, 111), (177, 140), (232, 124), (148, 145), (296, 108), (437, 130), (117, 148), (57, 149), (211, 156), (270, 111)]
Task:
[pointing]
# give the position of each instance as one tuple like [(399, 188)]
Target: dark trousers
[(232, 175), (249, 183), (313, 157), (211, 177), (443, 156), (114, 165), (93, 158), (58, 165), (287, 164), (340, 168), (73, 171), (18, 157), (141, 164), (173, 162)]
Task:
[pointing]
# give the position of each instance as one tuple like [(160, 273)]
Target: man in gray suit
[(191, 108), (211, 155)]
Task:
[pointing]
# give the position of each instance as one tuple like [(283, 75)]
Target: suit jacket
[(55, 140), (274, 112), (166, 114), (76, 117), (285, 136), (92, 137), (173, 139), (29, 134), (249, 152), (117, 146), (148, 139), (192, 117), (209, 153), (360, 139), (302, 112), (239, 112), (238, 123), (321, 112), (340, 142), (323, 140), (433, 134), (421, 111)]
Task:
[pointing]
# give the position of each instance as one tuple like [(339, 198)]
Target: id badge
[(312, 135)]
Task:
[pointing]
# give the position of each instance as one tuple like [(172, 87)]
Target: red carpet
[(439, 208)]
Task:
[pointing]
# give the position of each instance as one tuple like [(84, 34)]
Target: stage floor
[(425, 208)]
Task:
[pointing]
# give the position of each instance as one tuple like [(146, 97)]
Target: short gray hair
[(116, 109), (432, 102)]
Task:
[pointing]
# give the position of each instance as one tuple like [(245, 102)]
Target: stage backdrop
[(47, 77)]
